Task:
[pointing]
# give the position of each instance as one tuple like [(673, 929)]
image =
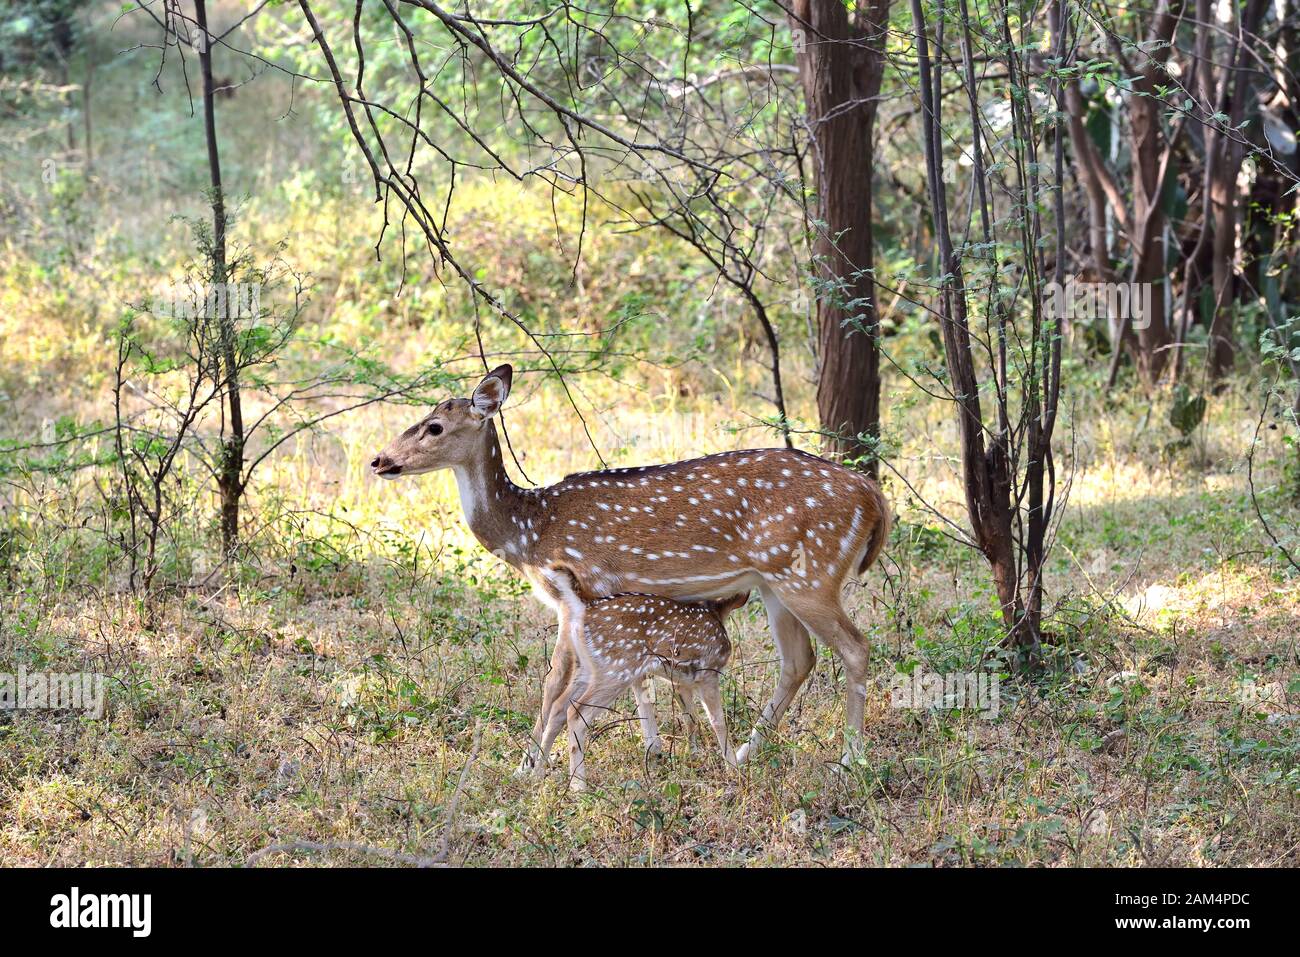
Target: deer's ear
[(492, 391)]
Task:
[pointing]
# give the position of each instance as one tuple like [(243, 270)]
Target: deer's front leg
[(558, 679)]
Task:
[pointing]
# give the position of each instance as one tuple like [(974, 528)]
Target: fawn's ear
[(492, 391)]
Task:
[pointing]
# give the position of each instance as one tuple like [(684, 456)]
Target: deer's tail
[(884, 522)]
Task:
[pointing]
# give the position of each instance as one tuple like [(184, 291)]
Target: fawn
[(623, 641)]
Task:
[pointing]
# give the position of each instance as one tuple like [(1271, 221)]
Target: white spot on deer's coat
[(851, 535)]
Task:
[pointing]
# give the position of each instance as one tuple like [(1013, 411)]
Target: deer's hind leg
[(794, 648), (823, 614)]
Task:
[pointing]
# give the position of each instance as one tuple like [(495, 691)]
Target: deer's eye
[(434, 429)]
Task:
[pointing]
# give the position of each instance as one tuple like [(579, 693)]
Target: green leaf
[(1187, 410)]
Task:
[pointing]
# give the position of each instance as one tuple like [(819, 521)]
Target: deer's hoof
[(528, 767), (756, 739)]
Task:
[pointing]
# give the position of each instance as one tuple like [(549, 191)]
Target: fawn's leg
[(711, 696), (578, 728), (645, 709), (563, 668), (555, 719), (587, 705), (689, 703)]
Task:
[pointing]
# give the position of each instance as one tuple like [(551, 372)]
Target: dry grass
[(336, 701)]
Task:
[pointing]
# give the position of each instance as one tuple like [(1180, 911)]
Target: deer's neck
[(498, 512)]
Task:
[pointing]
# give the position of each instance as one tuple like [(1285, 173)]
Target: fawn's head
[(722, 607), (450, 435)]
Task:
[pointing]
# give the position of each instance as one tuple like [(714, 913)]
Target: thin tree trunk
[(89, 151), (231, 466), (986, 475), (1040, 471)]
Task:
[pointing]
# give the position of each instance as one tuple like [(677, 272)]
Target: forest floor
[(364, 694)]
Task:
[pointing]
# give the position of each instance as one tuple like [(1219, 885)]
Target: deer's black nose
[(383, 465)]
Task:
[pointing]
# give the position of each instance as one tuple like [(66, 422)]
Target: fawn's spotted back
[(631, 636)]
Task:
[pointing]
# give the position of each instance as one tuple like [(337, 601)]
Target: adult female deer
[(790, 524)]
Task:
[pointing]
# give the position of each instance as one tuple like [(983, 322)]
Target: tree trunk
[(986, 472), (89, 150), (841, 62), (1151, 159), (1097, 182), (231, 465), (1145, 112), (1223, 196)]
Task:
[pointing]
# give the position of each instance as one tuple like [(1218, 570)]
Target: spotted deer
[(624, 640), (790, 524)]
